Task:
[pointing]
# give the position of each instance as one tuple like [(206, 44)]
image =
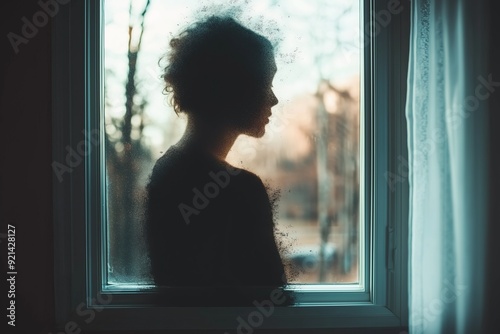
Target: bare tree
[(123, 161), (327, 184)]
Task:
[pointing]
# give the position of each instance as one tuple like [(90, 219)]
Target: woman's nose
[(273, 99)]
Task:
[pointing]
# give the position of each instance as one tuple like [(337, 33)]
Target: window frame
[(80, 297)]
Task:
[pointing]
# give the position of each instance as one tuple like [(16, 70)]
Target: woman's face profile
[(258, 110), (221, 74)]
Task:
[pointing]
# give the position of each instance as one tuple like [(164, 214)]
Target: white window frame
[(81, 299)]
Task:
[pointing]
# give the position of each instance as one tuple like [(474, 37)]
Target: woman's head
[(219, 71)]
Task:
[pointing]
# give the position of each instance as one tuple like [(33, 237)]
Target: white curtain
[(448, 91)]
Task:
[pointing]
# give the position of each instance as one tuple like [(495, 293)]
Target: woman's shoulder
[(175, 166), (244, 176), (167, 164)]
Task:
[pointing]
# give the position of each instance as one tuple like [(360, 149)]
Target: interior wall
[(26, 175)]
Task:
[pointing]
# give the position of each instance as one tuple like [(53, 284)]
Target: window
[(88, 280), (314, 167)]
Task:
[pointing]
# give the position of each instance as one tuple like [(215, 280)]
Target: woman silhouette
[(208, 223)]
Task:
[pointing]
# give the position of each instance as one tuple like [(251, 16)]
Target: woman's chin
[(257, 132)]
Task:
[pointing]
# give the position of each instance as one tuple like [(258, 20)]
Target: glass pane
[(309, 156)]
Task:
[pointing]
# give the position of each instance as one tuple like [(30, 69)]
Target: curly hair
[(214, 66)]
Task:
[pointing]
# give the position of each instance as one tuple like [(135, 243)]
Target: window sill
[(341, 315)]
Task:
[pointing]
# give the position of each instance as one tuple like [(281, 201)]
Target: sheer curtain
[(448, 91)]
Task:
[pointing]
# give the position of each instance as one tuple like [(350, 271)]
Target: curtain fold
[(447, 101)]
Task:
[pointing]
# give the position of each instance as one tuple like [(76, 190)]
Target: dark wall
[(26, 176)]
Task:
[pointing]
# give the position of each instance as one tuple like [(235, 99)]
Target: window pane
[(309, 156)]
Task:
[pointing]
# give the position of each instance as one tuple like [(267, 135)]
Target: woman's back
[(209, 224)]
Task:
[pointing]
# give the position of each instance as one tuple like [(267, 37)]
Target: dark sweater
[(209, 224)]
